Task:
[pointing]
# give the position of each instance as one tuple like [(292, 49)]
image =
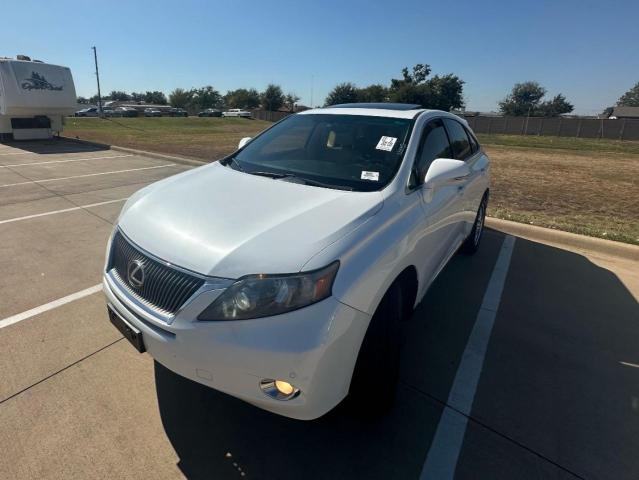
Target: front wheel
[(471, 244), (374, 381)]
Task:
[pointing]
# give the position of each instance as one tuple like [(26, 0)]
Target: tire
[(471, 244), (374, 382)]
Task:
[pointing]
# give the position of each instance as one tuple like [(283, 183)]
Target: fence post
[(559, 129), (541, 127), (490, 121), (505, 130), (601, 130), (623, 127), (579, 127)]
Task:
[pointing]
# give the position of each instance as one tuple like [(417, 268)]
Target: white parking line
[(63, 161), (16, 153), (50, 306), (64, 210), (86, 175), (442, 457)]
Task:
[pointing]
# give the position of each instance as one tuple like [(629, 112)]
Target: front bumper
[(314, 348)]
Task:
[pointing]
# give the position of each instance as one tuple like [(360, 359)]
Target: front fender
[(372, 256)]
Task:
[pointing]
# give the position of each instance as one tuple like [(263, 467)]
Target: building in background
[(624, 112)]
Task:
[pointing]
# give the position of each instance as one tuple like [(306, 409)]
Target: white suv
[(279, 275), (237, 112)]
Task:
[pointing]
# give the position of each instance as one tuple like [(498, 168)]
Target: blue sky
[(585, 49)]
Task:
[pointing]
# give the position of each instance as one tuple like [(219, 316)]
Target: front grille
[(164, 287)]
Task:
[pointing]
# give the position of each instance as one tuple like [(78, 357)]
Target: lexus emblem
[(135, 272)]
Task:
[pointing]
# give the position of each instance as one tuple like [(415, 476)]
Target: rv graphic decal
[(38, 82)]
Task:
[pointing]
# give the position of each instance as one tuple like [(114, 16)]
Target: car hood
[(220, 222)]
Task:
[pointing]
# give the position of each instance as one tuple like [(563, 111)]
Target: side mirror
[(243, 142), (444, 171)]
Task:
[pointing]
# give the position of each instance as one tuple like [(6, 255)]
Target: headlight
[(257, 296)]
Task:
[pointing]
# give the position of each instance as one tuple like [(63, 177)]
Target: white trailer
[(35, 98)]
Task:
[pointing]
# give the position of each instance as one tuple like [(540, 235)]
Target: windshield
[(357, 152)]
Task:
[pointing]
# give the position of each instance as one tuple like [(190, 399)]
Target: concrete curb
[(566, 239), (184, 160)]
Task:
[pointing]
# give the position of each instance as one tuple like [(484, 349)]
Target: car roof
[(392, 110)]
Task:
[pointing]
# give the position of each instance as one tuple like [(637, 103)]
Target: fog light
[(279, 389), (283, 387)]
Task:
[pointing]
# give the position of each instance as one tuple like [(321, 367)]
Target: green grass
[(205, 138), (588, 145)]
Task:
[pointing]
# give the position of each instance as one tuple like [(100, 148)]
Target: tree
[(555, 107), (82, 100), (242, 98), (418, 76), (630, 98), (137, 96), (442, 92), (272, 98), (206, 97), (523, 99), (119, 95), (180, 98), (156, 97), (372, 93), (290, 99), (342, 93)]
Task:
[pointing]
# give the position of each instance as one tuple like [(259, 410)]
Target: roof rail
[(380, 105)]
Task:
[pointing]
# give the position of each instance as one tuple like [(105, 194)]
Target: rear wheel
[(376, 372), (471, 244)]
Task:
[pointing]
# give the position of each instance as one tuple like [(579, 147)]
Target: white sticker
[(386, 143), (374, 176)]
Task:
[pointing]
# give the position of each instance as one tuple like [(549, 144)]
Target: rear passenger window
[(434, 145), (458, 139)]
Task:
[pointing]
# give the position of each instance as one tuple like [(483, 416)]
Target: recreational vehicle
[(34, 98)]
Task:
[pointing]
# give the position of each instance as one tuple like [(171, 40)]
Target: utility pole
[(97, 76)]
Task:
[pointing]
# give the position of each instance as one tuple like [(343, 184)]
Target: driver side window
[(434, 145)]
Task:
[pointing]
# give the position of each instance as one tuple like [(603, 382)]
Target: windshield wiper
[(271, 174), (305, 181), (315, 183)]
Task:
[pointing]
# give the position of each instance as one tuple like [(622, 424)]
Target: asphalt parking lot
[(521, 362)]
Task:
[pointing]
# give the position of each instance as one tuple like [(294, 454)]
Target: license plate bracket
[(132, 334)]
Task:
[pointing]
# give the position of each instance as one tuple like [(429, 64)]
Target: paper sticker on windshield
[(386, 143), (374, 176)]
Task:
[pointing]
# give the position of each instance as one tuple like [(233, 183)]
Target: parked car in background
[(210, 112), (87, 112), (291, 296), (126, 112), (110, 112), (152, 112), (237, 112), (178, 112)]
